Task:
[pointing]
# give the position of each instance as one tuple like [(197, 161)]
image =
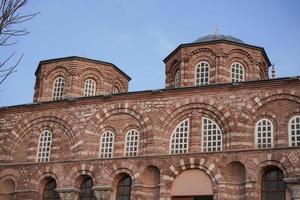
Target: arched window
[(124, 189), (202, 73), (89, 88), (86, 192), (211, 136), (44, 146), (49, 191), (180, 138), (294, 131), (237, 72), (273, 187), (58, 88), (132, 143), (177, 79), (115, 90), (107, 145), (264, 133)]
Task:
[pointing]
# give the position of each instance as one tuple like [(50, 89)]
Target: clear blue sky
[(136, 35)]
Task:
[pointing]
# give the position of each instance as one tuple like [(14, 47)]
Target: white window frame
[(89, 87), (199, 79), (115, 90), (266, 132), (177, 79), (233, 75), (214, 133), (58, 88), (132, 143), (44, 146), (176, 146), (107, 146), (296, 130)]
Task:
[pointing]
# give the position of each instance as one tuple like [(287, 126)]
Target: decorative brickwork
[(77, 124)]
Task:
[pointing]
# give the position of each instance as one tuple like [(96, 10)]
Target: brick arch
[(122, 170), (92, 73), (219, 114), (259, 101), (57, 71), (202, 52), (9, 174), (239, 53), (45, 119), (75, 182), (121, 86), (207, 165), (96, 122)]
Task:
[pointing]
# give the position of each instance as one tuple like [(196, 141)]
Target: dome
[(209, 38)]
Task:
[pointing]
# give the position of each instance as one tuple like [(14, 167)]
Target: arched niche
[(150, 180), (192, 184), (7, 189)]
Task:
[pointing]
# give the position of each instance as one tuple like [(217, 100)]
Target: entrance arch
[(193, 184)]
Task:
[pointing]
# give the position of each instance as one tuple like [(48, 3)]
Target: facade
[(221, 129)]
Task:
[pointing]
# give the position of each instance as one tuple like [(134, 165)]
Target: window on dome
[(264, 133), (294, 131), (273, 186), (211, 136), (179, 138), (44, 146), (177, 79), (115, 90), (202, 73), (132, 143), (89, 88), (237, 72), (58, 88), (106, 145)]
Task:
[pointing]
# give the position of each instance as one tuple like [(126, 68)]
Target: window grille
[(202, 73), (180, 138), (132, 143), (264, 133), (237, 72), (44, 146), (106, 145), (294, 131), (211, 136), (89, 88), (58, 88)]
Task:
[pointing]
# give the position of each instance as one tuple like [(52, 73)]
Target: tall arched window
[(124, 189), (89, 87), (177, 79), (180, 138), (107, 145), (86, 192), (294, 131), (132, 143), (264, 133), (202, 73), (237, 72), (211, 136), (49, 192), (273, 187), (44, 146), (58, 88)]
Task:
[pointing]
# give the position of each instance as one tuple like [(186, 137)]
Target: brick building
[(221, 129)]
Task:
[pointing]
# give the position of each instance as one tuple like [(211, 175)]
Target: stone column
[(293, 184), (102, 192), (68, 193)]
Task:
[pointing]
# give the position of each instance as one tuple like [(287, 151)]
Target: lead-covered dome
[(209, 38)]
